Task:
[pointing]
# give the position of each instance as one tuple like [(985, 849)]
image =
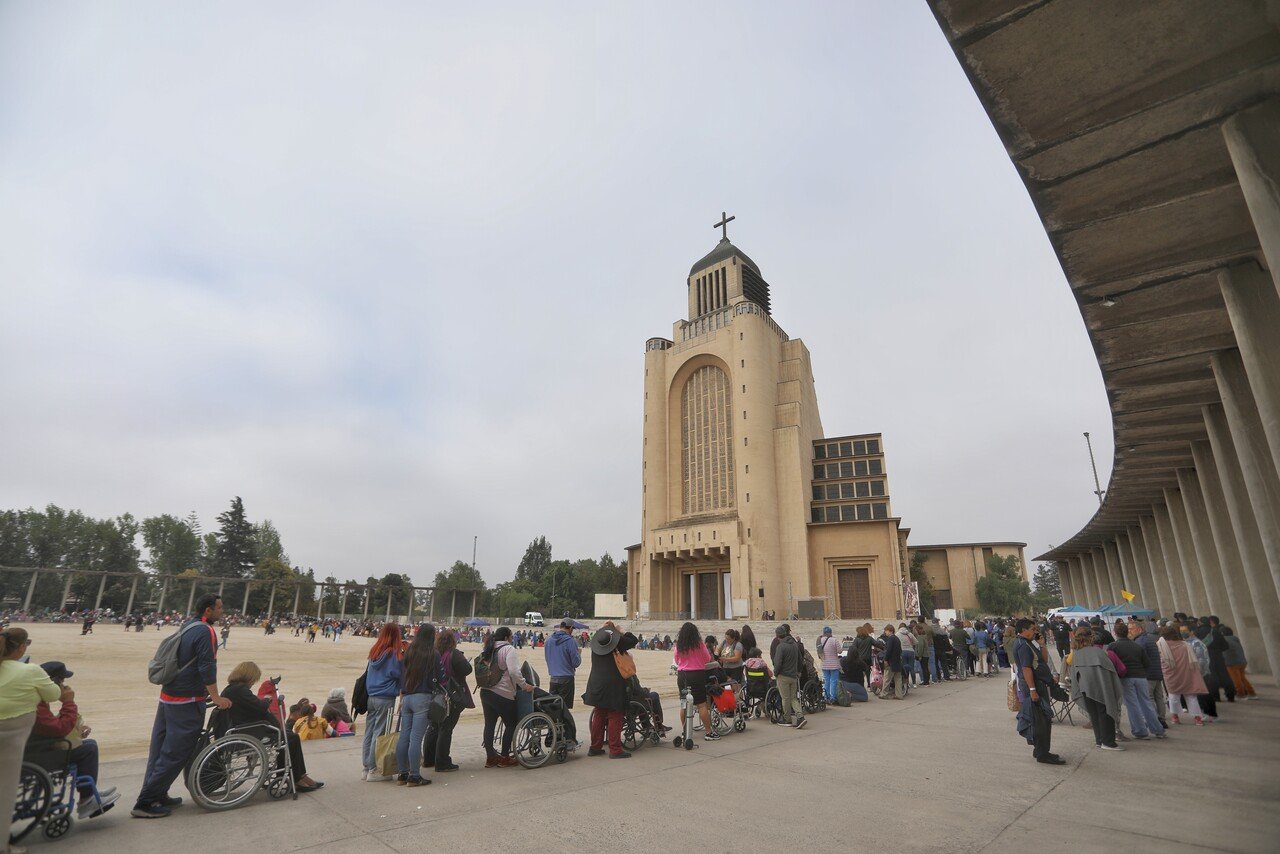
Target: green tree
[(171, 545), (1048, 587), (269, 571), (266, 542), (533, 566), (512, 598), (460, 576), (1003, 590), (921, 578), (235, 554)]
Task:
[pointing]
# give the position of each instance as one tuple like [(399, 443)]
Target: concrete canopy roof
[(1112, 114)]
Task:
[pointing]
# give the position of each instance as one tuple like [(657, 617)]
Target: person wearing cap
[(563, 659), (829, 653), (69, 725), (607, 691)]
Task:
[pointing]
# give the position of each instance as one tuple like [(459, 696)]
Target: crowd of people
[(1157, 674)]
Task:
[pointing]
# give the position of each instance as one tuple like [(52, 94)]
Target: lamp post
[(1097, 487)]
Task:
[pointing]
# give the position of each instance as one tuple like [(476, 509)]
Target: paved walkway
[(941, 771)]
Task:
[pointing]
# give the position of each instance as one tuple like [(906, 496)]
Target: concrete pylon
[(1257, 614), (1064, 582), (1254, 554), (133, 590), (1155, 561), (1172, 561), (1253, 141), (1197, 599), (1138, 560), (66, 591), (31, 591), (1098, 569), (102, 585), (1132, 582), (1089, 580), (1206, 548), (1106, 584), (1254, 308), (1252, 451), (1115, 569)]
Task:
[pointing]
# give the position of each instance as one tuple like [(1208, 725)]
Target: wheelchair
[(640, 725), (47, 790), (539, 735), (231, 764)]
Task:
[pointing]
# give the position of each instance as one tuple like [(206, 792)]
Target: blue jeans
[(829, 680), (909, 666), (375, 724), (933, 664), (413, 729), (857, 691), (1142, 712)]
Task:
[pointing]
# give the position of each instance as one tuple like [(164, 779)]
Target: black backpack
[(360, 695)]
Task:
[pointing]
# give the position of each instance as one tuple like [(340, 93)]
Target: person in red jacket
[(69, 725)]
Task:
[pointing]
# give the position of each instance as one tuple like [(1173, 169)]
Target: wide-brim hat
[(605, 641), (57, 670)]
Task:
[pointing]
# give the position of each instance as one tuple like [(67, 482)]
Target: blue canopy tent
[(475, 621), (1126, 610), (578, 625)]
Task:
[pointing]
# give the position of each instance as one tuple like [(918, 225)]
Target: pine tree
[(235, 555), (1048, 587), (533, 566)]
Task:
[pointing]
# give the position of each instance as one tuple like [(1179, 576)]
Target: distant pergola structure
[(166, 580)]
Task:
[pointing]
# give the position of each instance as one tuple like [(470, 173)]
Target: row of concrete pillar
[(1212, 545)]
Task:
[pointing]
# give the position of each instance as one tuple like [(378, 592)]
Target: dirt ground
[(118, 702)]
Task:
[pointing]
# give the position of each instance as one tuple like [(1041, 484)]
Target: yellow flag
[(1128, 597)]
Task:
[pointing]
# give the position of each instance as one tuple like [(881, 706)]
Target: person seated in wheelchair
[(650, 701), (69, 725), (250, 711)]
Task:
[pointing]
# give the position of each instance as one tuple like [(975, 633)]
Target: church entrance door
[(709, 595), (855, 594)]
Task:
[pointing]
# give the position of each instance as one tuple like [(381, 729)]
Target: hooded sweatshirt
[(563, 655)]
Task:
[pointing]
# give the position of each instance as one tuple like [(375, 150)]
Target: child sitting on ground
[(303, 720), (337, 726)]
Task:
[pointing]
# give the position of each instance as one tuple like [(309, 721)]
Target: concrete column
[(475, 595), (1172, 561), (412, 592), (1155, 561), (244, 609), (1253, 141), (1254, 308), (133, 589), (431, 606), (1138, 559), (453, 606), (31, 591), (368, 594), (320, 602), (1089, 579), (191, 597), (387, 618), (222, 583), (102, 585), (66, 591), (1254, 555), (342, 615), (1105, 586), (1130, 572), (164, 588), (1192, 574), (1064, 581), (271, 601), (1115, 570), (1206, 548), (1257, 622), (1245, 426), (297, 598)]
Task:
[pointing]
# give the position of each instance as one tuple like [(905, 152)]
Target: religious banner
[(1128, 597), (911, 592)]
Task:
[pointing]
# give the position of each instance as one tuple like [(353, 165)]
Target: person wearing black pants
[(499, 701), (456, 669), (1104, 726)]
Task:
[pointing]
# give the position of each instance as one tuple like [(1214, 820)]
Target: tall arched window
[(707, 441)]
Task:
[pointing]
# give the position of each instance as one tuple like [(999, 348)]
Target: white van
[(533, 618)]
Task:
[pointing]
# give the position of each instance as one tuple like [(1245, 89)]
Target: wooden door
[(855, 594), (709, 596)]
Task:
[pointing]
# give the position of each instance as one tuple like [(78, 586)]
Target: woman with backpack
[(382, 683), (421, 679), (499, 678), (454, 670)]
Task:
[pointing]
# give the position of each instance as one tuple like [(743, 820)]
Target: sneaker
[(375, 777), (109, 790), (711, 736), (1161, 735), (364, 775), (800, 722), (1143, 737), (698, 726), (599, 751), (491, 761), (1111, 747), (95, 807), (1199, 721), (414, 782), (169, 803), (1176, 719), (785, 723), (440, 769), (402, 780), (149, 811), (508, 762), (623, 755), (1052, 760)]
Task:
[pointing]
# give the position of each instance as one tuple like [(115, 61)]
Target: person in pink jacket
[(829, 661)]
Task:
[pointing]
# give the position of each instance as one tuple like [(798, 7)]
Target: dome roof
[(723, 250)]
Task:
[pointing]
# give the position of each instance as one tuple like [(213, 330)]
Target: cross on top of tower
[(723, 225)]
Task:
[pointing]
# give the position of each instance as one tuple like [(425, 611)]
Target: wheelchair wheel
[(773, 705), (812, 698), (530, 743), (35, 796), (720, 724), (228, 772), (57, 823), (278, 787), (632, 738), (740, 723)]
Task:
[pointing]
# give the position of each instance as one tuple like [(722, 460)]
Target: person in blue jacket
[(563, 659)]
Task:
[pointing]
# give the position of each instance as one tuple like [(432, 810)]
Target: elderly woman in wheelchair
[(246, 748)]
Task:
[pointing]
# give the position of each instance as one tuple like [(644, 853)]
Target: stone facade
[(953, 569), (733, 453)]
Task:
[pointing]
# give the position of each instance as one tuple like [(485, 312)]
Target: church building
[(748, 506)]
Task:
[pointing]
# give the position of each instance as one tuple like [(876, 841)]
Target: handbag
[(626, 665), (439, 709), (1015, 705), (384, 749)]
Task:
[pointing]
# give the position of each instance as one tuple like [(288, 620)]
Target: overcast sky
[(387, 270)]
